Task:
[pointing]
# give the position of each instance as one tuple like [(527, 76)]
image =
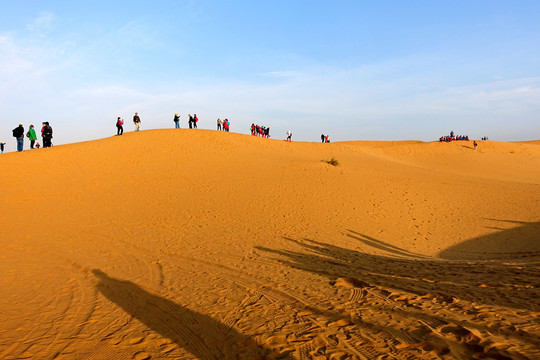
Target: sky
[(356, 70)]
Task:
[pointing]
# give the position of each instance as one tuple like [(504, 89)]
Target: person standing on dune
[(31, 136), (137, 121), (47, 134), (195, 121), (119, 127), (176, 121), (289, 135), (219, 124), (322, 138), (2, 144), (18, 133)]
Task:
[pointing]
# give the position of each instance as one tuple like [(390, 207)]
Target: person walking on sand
[(47, 134), (137, 121), (119, 127), (176, 121), (322, 138), (195, 121), (475, 144), (190, 121), (219, 122), (289, 135), (31, 134), (2, 144), (18, 134)]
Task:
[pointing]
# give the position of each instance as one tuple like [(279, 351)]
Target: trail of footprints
[(345, 327)]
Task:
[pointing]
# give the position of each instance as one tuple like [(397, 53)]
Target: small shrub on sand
[(332, 162)]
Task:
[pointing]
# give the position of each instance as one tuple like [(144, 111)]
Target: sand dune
[(179, 244)]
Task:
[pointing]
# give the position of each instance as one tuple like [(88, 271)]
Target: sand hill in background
[(182, 244)]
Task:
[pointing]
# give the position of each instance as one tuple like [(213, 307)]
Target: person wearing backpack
[(289, 135), (31, 134), (18, 133), (119, 127)]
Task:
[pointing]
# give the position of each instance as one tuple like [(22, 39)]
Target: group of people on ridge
[(192, 121), (223, 125), (120, 124), (18, 134), (261, 131), (453, 137)]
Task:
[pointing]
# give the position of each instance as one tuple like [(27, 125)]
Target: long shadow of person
[(200, 335)]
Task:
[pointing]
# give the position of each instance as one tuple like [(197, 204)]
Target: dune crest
[(170, 244)]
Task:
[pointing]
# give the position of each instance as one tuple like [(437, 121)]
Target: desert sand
[(184, 244)]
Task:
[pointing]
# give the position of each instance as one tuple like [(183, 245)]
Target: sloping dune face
[(171, 244)]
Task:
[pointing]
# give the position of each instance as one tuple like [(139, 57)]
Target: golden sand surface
[(184, 244)]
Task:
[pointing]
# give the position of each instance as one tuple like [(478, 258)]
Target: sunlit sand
[(182, 244)]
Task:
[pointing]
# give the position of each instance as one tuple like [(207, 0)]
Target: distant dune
[(173, 244)]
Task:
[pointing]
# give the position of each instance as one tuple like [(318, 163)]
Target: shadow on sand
[(521, 242), (200, 335), (495, 283)]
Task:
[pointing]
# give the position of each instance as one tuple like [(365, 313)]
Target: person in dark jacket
[(137, 121), (18, 133), (176, 121), (47, 135)]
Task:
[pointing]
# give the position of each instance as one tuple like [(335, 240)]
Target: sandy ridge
[(196, 244)]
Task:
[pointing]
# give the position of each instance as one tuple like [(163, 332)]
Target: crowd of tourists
[(46, 131), (261, 131), (19, 134), (454, 137)]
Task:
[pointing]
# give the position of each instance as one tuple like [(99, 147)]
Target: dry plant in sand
[(332, 161)]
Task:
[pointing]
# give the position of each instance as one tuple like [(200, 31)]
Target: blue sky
[(357, 70)]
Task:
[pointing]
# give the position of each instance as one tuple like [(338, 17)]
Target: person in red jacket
[(119, 126)]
